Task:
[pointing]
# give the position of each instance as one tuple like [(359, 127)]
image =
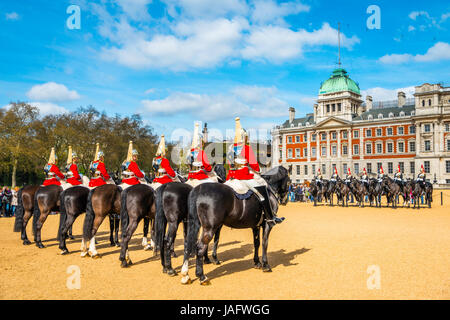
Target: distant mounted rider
[(318, 177), (99, 175), (161, 166), (421, 177), (131, 174), (334, 176), (398, 177), (365, 179), (381, 175), (73, 177), (348, 177), (200, 169)]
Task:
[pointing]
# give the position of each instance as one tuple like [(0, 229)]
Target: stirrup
[(275, 220)]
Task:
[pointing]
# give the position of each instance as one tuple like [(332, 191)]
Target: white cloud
[(46, 108), (251, 101), (278, 44), (411, 28), (206, 8), (135, 9), (148, 91), (413, 15), (199, 44), (12, 16), (440, 51), (383, 94), (52, 91), (267, 11)]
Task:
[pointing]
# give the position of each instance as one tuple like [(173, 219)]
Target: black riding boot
[(269, 215)]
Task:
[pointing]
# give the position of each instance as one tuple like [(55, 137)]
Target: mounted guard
[(52, 172), (98, 170), (131, 174), (398, 177), (381, 174), (200, 169), (318, 178), (421, 177), (335, 176), (365, 179), (246, 172), (73, 177), (348, 177), (161, 165)]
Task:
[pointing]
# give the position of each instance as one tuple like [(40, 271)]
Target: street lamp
[(435, 180)]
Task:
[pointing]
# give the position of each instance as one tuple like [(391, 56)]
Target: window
[(306, 170), (333, 107), (328, 108), (324, 136), (390, 168), (368, 148), (334, 135), (324, 151), (334, 151), (297, 139), (401, 130), (298, 170), (429, 102), (356, 134), (281, 154), (447, 166), (412, 167), (289, 153), (313, 152), (297, 153), (305, 152), (324, 169), (313, 137), (448, 144), (345, 149), (412, 146), (447, 127), (356, 149), (344, 135), (369, 168), (427, 128), (356, 168), (380, 116), (401, 147), (402, 166), (379, 148), (289, 139), (426, 166), (305, 137), (391, 115), (368, 133), (412, 129), (427, 145), (344, 167), (390, 147), (379, 132), (423, 103), (389, 131), (379, 165), (339, 107), (313, 168)]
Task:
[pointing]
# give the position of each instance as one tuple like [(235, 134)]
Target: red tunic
[(51, 177), (169, 173), (101, 180), (133, 167), (75, 180), (206, 167), (250, 161)]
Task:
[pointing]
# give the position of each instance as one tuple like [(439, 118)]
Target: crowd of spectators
[(8, 201), (299, 192)]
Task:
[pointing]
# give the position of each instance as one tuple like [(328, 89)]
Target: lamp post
[(435, 180)]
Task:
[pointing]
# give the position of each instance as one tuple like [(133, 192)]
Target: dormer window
[(402, 114), (380, 116), (391, 115), (370, 117)]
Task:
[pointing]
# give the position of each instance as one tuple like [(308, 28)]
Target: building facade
[(345, 131)]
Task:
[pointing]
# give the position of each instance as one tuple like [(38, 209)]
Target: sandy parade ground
[(317, 253)]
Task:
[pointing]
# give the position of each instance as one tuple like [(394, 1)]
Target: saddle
[(241, 191)]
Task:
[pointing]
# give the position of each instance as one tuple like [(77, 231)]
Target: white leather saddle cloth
[(243, 186), (196, 182)]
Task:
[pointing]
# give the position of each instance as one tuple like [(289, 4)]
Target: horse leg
[(67, 226), (97, 222), (167, 247), (124, 255), (39, 224), (145, 243), (116, 232), (202, 246), (26, 217), (216, 245), (265, 243), (256, 243), (111, 230)]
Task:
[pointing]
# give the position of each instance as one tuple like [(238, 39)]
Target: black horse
[(342, 192), (212, 205), (171, 210), (392, 191), (423, 188), (375, 192), (24, 211)]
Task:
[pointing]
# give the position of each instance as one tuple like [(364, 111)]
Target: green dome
[(339, 81)]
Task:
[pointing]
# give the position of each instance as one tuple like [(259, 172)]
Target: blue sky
[(176, 62)]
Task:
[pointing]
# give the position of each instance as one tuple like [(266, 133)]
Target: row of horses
[(208, 205), (374, 189)]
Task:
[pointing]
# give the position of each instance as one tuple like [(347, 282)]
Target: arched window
[(429, 102), (292, 125), (402, 114), (370, 117), (391, 115), (299, 124), (380, 116), (423, 103)]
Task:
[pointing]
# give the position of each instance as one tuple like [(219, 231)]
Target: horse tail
[(63, 215), (36, 213), (193, 225), (160, 219), (124, 218), (89, 218), (18, 223)]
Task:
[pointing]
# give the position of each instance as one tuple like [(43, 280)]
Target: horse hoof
[(172, 273), (128, 260), (40, 245), (174, 255), (112, 244), (71, 237), (148, 247), (84, 254), (207, 261), (186, 280), (257, 265), (64, 252), (124, 264), (117, 244), (26, 242), (95, 256), (266, 269), (205, 282), (216, 262)]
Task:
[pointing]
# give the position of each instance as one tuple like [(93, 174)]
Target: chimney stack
[(401, 98), (291, 114), (368, 103)]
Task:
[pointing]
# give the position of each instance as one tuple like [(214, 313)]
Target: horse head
[(278, 179), (220, 171)]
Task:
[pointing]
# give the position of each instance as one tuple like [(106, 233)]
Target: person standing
[(14, 200)]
